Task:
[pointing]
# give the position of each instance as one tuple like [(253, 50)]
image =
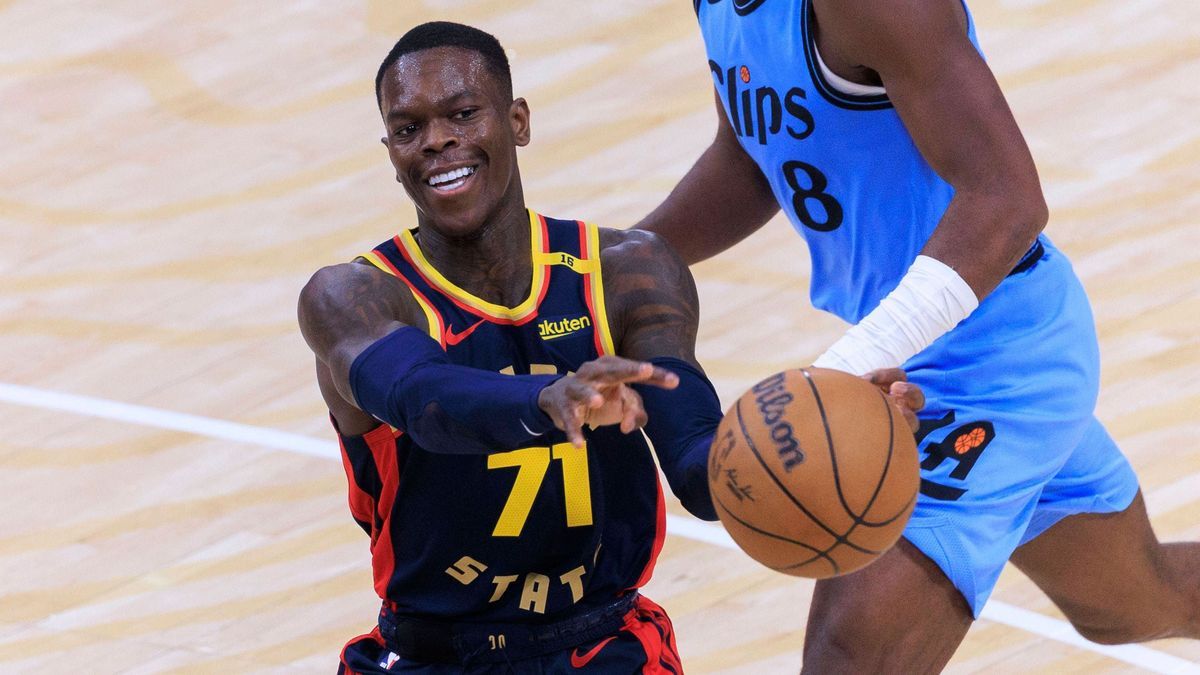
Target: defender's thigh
[(1091, 548), (1105, 572), (899, 614)]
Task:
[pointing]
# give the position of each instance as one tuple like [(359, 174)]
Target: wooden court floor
[(171, 173)]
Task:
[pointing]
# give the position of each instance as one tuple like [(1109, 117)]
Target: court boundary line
[(696, 530)]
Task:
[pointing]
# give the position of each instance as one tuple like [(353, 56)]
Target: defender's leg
[(899, 614), (1113, 579)]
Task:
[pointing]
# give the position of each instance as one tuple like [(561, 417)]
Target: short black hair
[(449, 34)]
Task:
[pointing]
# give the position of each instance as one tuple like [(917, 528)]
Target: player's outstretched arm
[(954, 110), (653, 312), (723, 199), (368, 332), (374, 357), (599, 394)]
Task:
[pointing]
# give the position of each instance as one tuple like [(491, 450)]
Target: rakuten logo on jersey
[(761, 111)]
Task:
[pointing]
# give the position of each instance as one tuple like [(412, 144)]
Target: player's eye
[(404, 131), (466, 113)]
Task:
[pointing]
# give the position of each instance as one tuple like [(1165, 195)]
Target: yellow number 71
[(532, 464)]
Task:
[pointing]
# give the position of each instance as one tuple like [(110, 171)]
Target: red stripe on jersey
[(549, 272), (382, 442), (660, 535), (441, 327), (541, 293), (362, 505), (583, 247)]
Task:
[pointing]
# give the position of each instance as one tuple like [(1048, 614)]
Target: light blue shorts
[(1008, 442)]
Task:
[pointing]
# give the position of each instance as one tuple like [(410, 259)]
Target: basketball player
[(881, 132), (505, 534)]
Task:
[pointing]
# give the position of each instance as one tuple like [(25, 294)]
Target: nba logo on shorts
[(389, 660)]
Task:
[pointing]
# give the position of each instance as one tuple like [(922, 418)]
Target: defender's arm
[(956, 114), (954, 109)]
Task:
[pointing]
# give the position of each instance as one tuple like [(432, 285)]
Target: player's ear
[(518, 118), (384, 140)]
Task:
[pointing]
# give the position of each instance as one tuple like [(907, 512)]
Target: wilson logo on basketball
[(851, 498), (771, 398)]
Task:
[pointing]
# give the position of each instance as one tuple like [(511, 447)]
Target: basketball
[(813, 473)]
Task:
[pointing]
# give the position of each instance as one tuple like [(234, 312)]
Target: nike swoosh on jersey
[(453, 338), (580, 660)]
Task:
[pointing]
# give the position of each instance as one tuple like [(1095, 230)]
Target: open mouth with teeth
[(451, 180)]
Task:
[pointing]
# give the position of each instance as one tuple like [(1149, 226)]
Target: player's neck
[(495, 264)]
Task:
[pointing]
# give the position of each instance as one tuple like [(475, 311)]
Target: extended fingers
[(616, 370), (633, 412), (884, 377), (908, 394), (908, 399), (598, 394), (582, 400), (568, 402)]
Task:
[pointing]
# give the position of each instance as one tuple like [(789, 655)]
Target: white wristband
[(930, 300)]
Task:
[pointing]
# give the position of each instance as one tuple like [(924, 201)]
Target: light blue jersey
[(1008, 440), (842, 166)]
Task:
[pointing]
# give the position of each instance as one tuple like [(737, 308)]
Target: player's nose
[(439, 137)]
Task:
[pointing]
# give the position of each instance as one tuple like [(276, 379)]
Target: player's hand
[(905, 396), (599, 394)]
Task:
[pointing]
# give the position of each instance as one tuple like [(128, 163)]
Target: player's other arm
[(955, 112), (723, 199), (653, 312)]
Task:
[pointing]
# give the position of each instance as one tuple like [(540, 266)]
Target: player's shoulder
[(653, 307), (862, 23), (343, 286), (341, 279)]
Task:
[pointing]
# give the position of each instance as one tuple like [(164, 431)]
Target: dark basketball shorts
[(645, 643)]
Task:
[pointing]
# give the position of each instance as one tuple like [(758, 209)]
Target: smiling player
[(505, 534)]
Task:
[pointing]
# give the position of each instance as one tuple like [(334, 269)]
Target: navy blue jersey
[(525, 535)]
